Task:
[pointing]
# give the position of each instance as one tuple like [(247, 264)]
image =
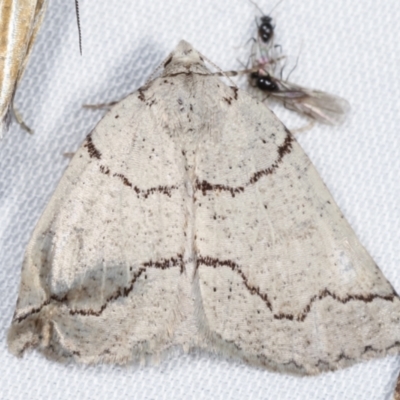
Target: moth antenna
[(78, 22)]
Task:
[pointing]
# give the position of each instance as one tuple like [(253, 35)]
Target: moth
[(191, 218)]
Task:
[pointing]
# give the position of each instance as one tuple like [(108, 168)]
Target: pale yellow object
[(20, 21)]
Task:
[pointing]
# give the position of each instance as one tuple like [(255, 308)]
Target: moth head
[(184, 57)]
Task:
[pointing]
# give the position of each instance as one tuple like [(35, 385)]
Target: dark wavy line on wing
[(140, 192), (91, 148), (120, 292), (202, 186), (282, 150), (215, 262), (95, 153)]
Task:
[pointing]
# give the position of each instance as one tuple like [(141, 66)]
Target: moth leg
[(18, 117), (69, 154), (101, 106)]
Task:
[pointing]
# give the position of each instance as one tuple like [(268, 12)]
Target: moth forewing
[(20, 21)]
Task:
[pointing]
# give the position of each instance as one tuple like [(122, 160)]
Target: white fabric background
[(347, 48)]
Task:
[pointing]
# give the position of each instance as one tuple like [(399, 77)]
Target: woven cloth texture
[(347, 48)]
